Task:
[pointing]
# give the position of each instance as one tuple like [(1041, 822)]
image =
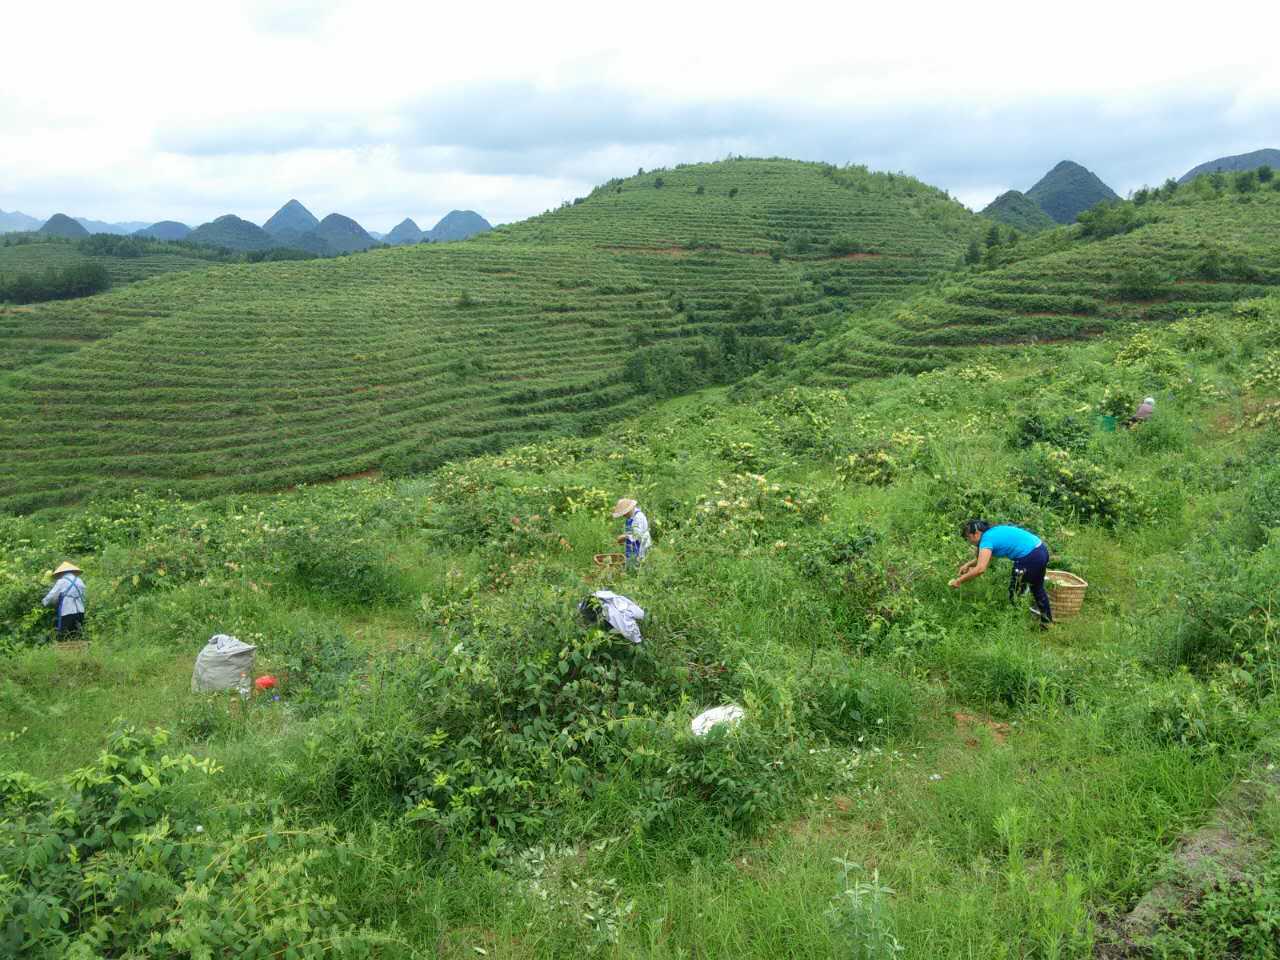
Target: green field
[(259, 377), (46, 254), (457, 768)]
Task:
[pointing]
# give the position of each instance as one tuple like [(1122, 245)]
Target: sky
[(381, 110)]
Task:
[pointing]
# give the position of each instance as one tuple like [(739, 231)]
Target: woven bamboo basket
[(610, 559), (1066, 593)]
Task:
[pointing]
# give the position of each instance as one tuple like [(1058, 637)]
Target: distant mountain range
[(293, 225), (124, 229), (455, 225), (406, 231), (1241, 161), (17, 222)]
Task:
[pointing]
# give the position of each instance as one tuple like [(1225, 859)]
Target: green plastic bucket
[(1107, 424)]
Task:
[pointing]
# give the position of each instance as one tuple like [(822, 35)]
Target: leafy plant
[(860, 915), (1082, 489), (117, 861)]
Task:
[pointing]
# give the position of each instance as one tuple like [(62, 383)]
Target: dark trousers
[(1028, 573), (71, 623)]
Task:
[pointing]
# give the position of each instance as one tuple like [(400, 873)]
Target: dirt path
[(1220, 851)]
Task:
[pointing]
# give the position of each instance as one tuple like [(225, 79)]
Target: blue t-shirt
[(1012, 543)]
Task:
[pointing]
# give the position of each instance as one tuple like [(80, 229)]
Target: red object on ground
[(265, 682)]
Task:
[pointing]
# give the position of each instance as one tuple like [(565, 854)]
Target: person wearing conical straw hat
[(636, 539), (68, 593)]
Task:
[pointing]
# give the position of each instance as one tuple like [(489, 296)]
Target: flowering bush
[(748, 500), (1149, 355), (880, 464), (1085, 490), (942, 388), (1264, 374)]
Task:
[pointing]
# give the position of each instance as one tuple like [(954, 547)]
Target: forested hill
[(261, 376), (1069, 189), (1168, 253)]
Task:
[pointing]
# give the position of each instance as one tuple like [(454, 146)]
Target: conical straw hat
[(623, 507), (67, 567)]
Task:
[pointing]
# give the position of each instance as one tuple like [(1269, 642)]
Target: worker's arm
[(976, 569), (54, 593)]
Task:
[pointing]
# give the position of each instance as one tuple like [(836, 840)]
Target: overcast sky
[(382, 110)]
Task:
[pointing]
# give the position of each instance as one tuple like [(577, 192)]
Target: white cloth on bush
[(622, 613), (704, 722), (221, 663)]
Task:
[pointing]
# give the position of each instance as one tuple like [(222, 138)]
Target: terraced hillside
[(258, 377), (1182, 251), (16, 258)]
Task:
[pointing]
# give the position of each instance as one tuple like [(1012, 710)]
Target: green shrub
[(1264, 374), (1262, 505), (1141, 282), (343, 569), (1226, 608), (880, 464), (843, 246), (856, 703), (116, 860), (1183, 712), (1234, 918), (736, 775), (861, 917), (1005, 674), (1065, 431), (1082, 489), (317, 661)]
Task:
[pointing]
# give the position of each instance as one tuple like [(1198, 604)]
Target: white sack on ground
[(221, 662), (622, 613), (730, 713)]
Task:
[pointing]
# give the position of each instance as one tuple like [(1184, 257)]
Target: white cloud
[(384, 109)]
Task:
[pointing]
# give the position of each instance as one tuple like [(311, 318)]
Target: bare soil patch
[(968, 724)]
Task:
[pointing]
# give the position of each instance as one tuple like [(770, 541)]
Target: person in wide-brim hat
[(636, 539), (68, 593)]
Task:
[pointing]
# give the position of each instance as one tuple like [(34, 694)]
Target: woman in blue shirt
[(1027, 551)]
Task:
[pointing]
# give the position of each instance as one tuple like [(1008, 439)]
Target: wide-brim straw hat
[(66, 567), (623, 507)]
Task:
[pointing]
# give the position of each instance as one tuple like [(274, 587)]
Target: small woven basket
[(1066, 593), (610, 559)]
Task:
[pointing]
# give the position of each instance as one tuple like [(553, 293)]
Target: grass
[(503, 781)]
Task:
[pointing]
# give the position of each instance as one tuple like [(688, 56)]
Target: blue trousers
[(1028, 573)]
